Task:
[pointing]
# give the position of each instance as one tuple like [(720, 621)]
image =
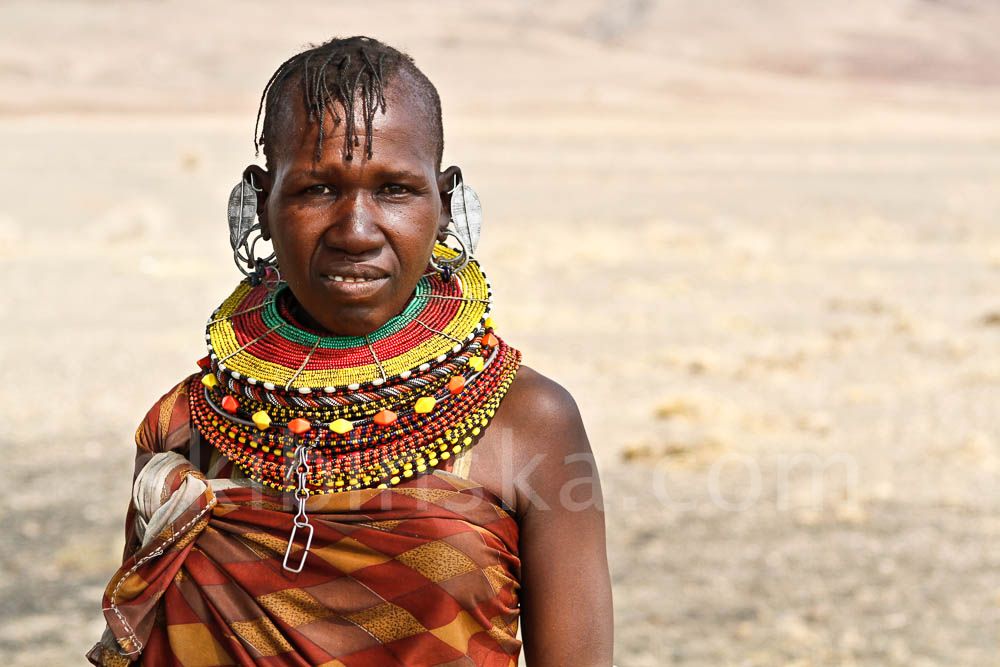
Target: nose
[(354, 230)]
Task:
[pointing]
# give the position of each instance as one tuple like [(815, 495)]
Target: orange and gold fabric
[(425, 573)]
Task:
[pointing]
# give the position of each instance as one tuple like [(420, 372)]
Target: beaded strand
[(371, 410)]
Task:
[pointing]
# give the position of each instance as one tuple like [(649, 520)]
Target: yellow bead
[(407, 473), (209, 380), (382, 486), (489, 324), (395, 480), (261, 420), (446, 455), (421, 468), (467, 441), (476, 363), (456, 449), (424, 404), (341, 426), (407, 466)]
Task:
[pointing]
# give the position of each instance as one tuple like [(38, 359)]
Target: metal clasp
[(300, 467)]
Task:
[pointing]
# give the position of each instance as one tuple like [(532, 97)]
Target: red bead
[(205, 363), (299, 425), (489, 340), (456, 384), (384, 417), (230, 404)]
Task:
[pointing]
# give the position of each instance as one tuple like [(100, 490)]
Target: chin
[(353, 320)]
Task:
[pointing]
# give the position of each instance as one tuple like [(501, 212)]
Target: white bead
[(269, 386), (214, 357), (424, 367), (457, 347), (405, 374), (377, 381), (441, 358), (329, 390), (235, 374), (304, 390), (354, 386), (222, 368), (252, 380)]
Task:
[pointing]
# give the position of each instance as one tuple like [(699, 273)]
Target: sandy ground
[(758, 241)]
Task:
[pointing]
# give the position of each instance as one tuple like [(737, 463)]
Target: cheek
[(415, 242)]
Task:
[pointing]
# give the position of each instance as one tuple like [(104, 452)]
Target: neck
[(296, 313)]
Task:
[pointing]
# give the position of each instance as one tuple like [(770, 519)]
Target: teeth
[(348, 279)]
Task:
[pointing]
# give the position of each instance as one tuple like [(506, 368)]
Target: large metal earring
[(243, 225), (448, 266), (466, 215)]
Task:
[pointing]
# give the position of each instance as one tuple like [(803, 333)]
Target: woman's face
[(353, 237)]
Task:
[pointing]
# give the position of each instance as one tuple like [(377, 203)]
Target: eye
[(395, 189), (319, 189)]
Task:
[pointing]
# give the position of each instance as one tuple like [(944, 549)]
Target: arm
[(566, 600)]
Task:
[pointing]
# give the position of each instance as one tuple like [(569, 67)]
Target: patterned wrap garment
[(421, 573)]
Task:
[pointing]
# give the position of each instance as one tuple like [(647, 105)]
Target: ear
[(446, 183), (260, 178)]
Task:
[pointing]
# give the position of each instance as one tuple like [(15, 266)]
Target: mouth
[(349, 279), (354, 285)]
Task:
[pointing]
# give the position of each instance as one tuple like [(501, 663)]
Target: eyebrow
[(399, 175), (386, 174)]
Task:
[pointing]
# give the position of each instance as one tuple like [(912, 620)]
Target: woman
[(361, 472)]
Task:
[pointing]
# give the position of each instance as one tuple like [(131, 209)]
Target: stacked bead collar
[(373, 410)]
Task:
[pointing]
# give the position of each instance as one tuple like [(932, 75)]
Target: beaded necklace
[(341, 412)]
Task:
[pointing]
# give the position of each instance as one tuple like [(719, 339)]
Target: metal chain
[(300, 467)]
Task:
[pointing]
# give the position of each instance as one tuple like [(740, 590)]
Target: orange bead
[(384, 417), (230, 404), (489, 340), (299, 425), (456, 384)]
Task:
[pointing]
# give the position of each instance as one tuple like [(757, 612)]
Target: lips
[(353, 273), (354, 281), (349, 279)]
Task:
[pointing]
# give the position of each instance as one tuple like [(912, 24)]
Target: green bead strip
[(395, 324)]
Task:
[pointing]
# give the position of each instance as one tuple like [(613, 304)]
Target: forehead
[(404, 132)]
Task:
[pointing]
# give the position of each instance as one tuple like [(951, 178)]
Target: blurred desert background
[(757, 240)]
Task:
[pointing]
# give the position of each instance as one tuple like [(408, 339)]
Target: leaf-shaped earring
[(466, 215), (242, 225)]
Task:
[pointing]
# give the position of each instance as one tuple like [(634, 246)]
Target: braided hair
[(347, 72)]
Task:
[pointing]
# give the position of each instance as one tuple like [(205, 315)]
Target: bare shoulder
[(538, 442), (537, 401)]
